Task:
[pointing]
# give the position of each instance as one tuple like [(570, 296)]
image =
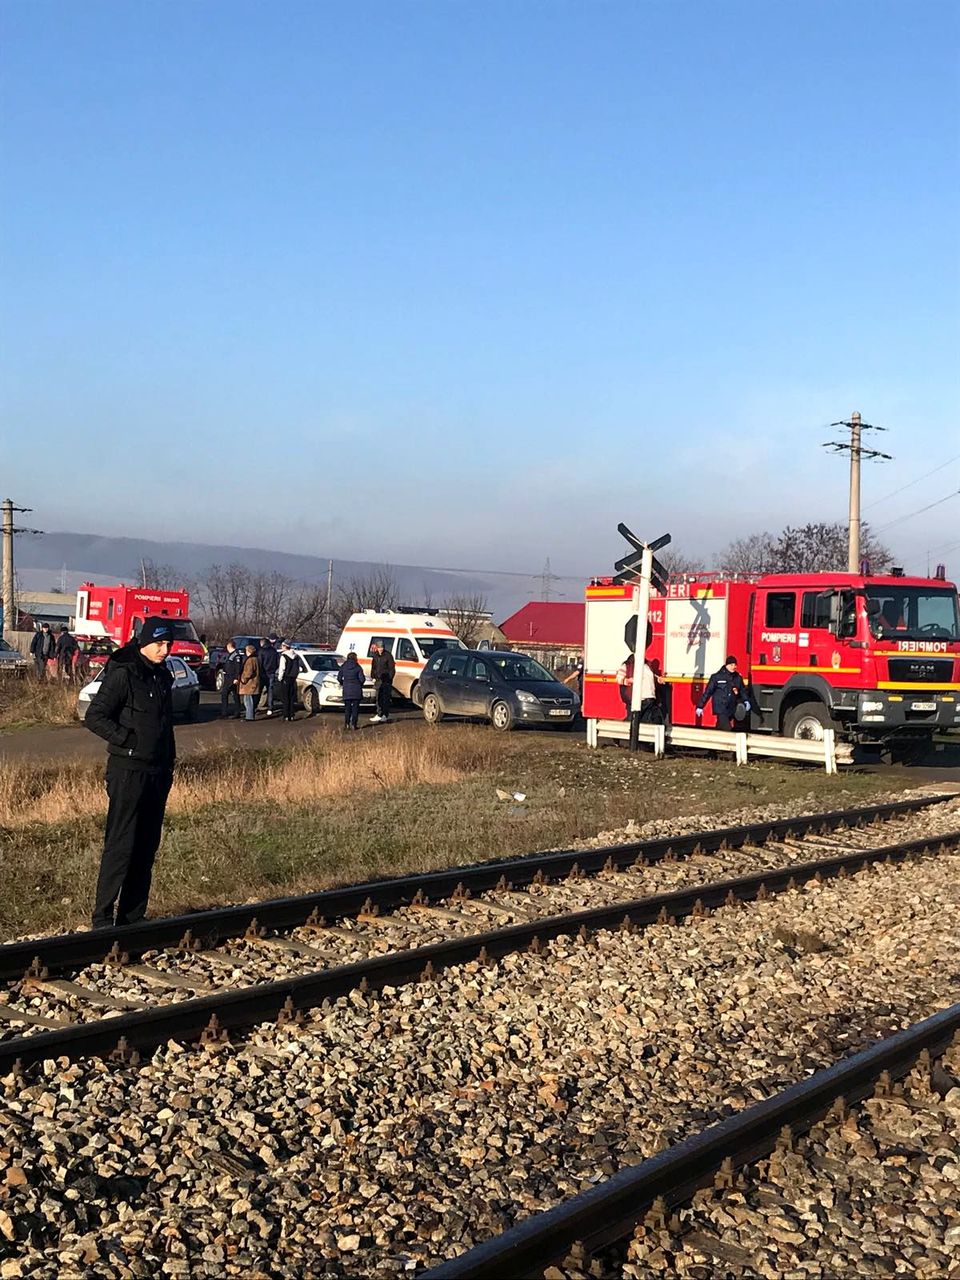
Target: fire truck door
[(776, 653)]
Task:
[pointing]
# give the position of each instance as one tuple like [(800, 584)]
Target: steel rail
[(216, 1014), (74, 950), (611, 1210)]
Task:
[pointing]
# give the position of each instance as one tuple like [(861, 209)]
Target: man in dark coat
[(725, 687), (66, 650), (43, 647), (269, 664), (133, 712), (231, 668), (382, 669)]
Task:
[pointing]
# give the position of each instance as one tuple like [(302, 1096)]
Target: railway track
[(202, 975), (801, 1176)]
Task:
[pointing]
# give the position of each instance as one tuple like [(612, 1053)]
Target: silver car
[(12, 661), (186, 690)]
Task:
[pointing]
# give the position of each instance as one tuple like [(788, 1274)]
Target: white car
[(185, 693), (318, 683)]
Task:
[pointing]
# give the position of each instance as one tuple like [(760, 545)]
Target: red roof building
[(549, 630)]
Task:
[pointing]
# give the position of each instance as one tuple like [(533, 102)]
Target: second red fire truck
[(118, 612), (876, 658)]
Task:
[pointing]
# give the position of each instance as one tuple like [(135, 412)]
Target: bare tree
[(749, 556), (161, 577), (817, 548), (466, 613), (376, 590), (677, 563)]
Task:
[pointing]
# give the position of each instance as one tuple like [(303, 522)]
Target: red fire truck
[(876, 658), (119, 612)]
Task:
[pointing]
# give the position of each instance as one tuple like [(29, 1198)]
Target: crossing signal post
[(640, 566)]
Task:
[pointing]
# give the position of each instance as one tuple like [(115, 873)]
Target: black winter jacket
[(232, 666), (269, 660), (133, 712), (383, 668), (43, 644), (66, 645), (726, 689)]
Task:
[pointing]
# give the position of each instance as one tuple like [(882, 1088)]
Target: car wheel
[(218, 681), (807, 721), (415, 694), (501, 716), (432, 711), (312, 701), (193, 707)]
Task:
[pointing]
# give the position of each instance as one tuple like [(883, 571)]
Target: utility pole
[(326, 608), (9, 605), (856, 427), (546, 580), (9, 594)]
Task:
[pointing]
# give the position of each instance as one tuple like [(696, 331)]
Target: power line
[(910, 483), (919, 512)]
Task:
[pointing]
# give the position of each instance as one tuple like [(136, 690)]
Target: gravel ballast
[(396, 1129)]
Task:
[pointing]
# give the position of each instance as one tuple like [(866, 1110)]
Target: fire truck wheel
[(501, 717), (432, 711), (808, 720)]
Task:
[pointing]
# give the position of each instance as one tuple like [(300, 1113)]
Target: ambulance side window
[(386, 641), (781, 609), (406, 652), (815, 610)]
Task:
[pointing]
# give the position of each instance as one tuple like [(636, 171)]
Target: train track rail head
[(647, 1193)]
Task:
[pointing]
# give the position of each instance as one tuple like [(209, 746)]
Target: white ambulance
[(412, 638)]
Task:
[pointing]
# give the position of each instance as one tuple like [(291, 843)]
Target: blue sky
[(467, 283)]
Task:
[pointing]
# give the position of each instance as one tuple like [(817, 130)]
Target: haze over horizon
[(466, 285)]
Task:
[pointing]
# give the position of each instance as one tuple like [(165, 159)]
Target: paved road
[(77, 742)]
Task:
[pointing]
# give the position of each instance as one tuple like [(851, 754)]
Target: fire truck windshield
[(183, 629), (912, 613)]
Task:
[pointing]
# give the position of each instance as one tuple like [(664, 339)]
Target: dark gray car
[(505, 688)]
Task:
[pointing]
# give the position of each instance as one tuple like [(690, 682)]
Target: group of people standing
[(729, 693), (55, 654), (258, 672)]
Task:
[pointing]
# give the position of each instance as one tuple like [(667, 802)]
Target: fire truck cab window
[(781, 609), (815, 610)]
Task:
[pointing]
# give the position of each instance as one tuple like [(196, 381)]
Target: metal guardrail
[(827, 752), (611, 1210)]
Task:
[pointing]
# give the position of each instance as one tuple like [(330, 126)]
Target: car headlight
[(527, 697), (871, 706), (331, 680)]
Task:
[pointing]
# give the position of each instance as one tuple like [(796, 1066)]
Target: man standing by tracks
[(382, 669), (133, 712)]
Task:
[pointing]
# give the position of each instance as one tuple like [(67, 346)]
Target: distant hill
[(45, 563)]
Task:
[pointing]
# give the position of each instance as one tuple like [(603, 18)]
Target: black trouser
[(41, 665), (288, 698), (384, 695), (130, 843), (351, 712), (226, 693)]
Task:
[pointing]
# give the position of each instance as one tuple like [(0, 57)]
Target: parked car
[(186, 690), (505, 688), (92, 654), (318, 683), (12, 661), (207, 671)]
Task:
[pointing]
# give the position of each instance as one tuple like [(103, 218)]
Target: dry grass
[(323, 768), (248, 824), (27, 701)]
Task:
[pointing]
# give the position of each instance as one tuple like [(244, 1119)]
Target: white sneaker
[(269, 713), (375, 719)]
